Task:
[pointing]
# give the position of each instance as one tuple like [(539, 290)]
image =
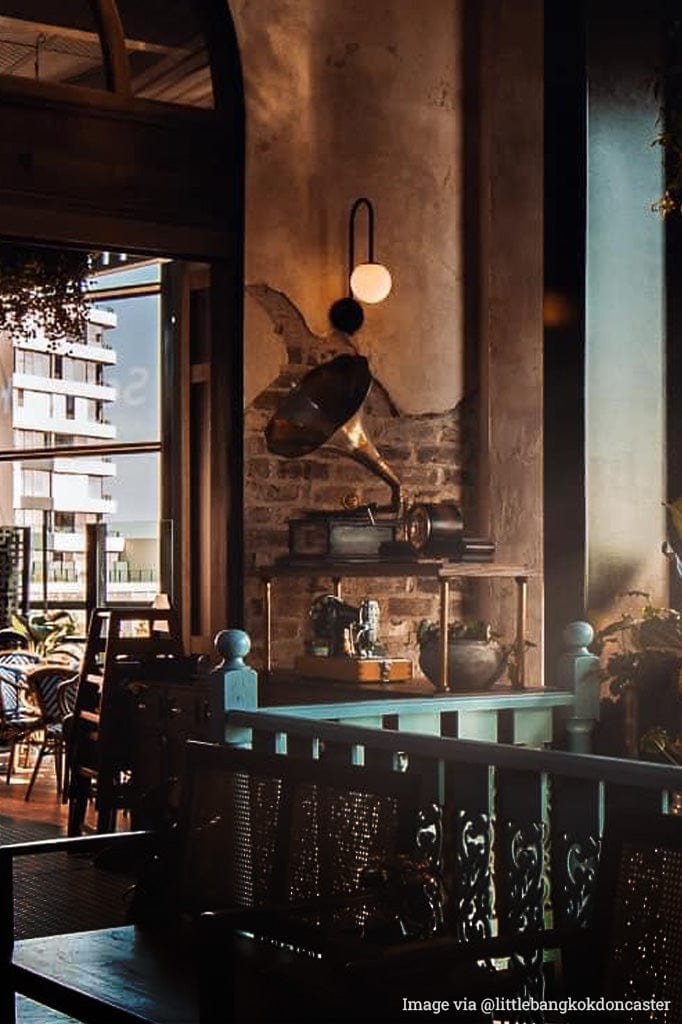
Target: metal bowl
[(472, 664)]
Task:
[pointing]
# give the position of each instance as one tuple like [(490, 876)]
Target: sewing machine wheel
[(323, 612)]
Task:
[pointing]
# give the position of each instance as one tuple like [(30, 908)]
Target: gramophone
[(325, 410)]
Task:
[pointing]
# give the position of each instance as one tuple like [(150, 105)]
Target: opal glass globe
[(370, 282)]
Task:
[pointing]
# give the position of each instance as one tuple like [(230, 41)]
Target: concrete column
[(510, 269), (625, 342)]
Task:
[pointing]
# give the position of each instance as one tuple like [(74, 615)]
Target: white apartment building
[(59, 397)]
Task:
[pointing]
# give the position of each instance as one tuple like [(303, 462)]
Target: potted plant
[(641, 664), (476, 656), (44, 633)]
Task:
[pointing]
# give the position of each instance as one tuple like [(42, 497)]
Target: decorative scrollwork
[(429, 840), (473, 893), (525, 900), (577, 864), (526, 875)]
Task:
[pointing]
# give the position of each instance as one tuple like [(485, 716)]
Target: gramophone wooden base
[(354, 670)]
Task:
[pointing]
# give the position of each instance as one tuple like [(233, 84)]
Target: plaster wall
[(510, 283), (343, 100), (368, 99)]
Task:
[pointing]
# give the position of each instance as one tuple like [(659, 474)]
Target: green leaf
[(675, 510)]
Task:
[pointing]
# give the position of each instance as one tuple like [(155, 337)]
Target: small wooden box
[(354, 670)]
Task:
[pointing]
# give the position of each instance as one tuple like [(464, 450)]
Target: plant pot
[(472, 664)]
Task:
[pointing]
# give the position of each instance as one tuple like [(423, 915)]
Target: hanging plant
[(667, 89), (43, 291)]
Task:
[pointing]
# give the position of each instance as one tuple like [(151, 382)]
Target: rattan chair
[(44, 684), (632, 950), (12, 639), (17, 721), (19, 662)]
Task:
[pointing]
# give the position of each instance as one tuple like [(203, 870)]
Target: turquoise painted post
[(578, 670), (236, 686)]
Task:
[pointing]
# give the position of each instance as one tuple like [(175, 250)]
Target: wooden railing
[(532, 718), (520, 827), (516, 826)]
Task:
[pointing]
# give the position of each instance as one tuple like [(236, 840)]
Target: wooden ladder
[(122, 645)]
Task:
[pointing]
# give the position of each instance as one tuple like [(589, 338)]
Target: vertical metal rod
[(45, 562), (25, 570), (267, 612), (521, 615), (336, 582), (444, 622)]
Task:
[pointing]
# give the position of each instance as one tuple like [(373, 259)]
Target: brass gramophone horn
[(324, 411)]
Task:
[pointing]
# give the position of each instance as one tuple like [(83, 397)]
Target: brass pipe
[(267, 612), (521, 616), (443, 683), (336, 583)]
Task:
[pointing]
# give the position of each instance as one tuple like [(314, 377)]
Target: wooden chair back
[(637, 922), (266, 829)]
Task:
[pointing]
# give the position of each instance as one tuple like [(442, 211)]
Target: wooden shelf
[(442, 570), (421, 568)]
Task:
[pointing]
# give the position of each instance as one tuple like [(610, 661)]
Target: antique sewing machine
[(346, 644)]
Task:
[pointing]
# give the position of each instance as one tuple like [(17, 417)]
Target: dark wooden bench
[(258, 832)]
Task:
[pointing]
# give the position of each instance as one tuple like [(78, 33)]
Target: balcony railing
[(516, 831)]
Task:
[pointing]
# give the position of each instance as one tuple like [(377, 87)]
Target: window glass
[(118, 271), (121, 492), (134, 412), (100, 387)]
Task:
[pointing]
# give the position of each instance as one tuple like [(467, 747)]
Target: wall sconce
[(368, 282)]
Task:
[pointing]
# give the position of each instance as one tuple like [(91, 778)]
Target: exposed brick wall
[(426, 452)]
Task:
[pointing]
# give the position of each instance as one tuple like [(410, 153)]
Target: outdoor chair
[(12, 639), (19, 662), (67, 693), (44, 685), (17, 721)]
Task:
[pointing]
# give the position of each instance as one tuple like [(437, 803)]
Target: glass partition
[(126, 563)]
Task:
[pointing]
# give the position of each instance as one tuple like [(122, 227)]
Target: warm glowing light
[(370, 282)]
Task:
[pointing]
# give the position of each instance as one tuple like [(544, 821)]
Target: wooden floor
[(43, 805)]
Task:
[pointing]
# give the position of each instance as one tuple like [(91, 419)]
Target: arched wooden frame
[(112, 39), (108, 170)]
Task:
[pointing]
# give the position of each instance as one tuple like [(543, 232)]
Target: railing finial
[(578, 670)]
